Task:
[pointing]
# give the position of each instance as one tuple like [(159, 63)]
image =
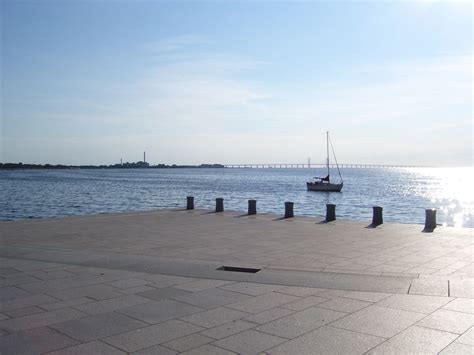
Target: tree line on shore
[(127, 165)]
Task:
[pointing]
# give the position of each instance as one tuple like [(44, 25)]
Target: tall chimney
[(144, 160)]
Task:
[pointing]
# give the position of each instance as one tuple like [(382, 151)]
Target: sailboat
[(324, 183)]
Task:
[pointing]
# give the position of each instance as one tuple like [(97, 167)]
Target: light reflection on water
[(450, 189), (403, 193)]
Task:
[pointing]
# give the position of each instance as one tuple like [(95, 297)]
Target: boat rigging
[(324, 183)]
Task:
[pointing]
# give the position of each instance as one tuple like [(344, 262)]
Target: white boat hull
[(321, 186)]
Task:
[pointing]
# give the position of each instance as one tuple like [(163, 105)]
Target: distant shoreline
[(136, 165)]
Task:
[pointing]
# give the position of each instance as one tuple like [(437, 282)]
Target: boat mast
[(327, 150)]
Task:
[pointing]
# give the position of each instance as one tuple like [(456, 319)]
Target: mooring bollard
[(219, 204), (377, 216), (190, 203), (252, 207), (330, 212), (430, 221), (288, 209)]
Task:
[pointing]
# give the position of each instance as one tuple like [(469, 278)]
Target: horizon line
[(250, 165)]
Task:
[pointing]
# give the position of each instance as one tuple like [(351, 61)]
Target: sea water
[(403, 193)]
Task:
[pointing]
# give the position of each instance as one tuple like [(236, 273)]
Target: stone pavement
[(147, 283)]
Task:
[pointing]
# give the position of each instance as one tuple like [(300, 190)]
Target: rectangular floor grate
[(238, 269)]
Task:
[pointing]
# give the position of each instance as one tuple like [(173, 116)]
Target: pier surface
[(149, 283)]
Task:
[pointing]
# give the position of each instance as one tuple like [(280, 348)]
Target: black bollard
[(190, 203), (330, 212), (377, 216), (219, 204), (252, 207), (288, 209), (430, 221)]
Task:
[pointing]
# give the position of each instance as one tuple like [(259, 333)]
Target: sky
[(234, 82)]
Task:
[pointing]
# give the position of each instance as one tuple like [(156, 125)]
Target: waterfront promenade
[(149, 283)]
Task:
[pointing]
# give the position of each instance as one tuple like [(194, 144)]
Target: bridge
[(313, 166)]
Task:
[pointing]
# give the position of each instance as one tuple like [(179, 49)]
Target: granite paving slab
[(188, 342), (97, 327), (378, 321), (467, 337), (4, 316), (161, 281), (155, 350), (249, 342), (163, 293), (24, 311), (98, 292), (11, 292), (300, 322), (214, 317), (415, 303), (155, 312), (128, 283), (449, 321), (51, 275), (208, 350), (366, 296), (328, 340), (433, 287), (212, 297), (227, 329), (68, 303), (152, 335), (299, 291), (263, 302), (64, 284), (110, 305), (41, 319), (416, 340), (332, 293), (347, 305), (457, 349), (462, 288), (8, 271), (201, 285), (268, 315), (94, 347), (465, 305), (28, 301), (136, 290), (304, 303), (253, 289), (17, 280), (34, 341)]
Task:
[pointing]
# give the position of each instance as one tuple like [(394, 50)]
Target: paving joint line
[(103, 342), (61, 333)]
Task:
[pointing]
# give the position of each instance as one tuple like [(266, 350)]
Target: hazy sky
[(236, 81)]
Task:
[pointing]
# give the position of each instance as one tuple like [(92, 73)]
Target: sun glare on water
[(451, 191)]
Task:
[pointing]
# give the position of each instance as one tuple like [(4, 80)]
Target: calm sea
[(403, 193)]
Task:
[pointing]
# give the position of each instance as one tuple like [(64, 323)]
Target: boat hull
[(318, 186)]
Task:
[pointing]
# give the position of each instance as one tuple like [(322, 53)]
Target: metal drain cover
[(238, 269)]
